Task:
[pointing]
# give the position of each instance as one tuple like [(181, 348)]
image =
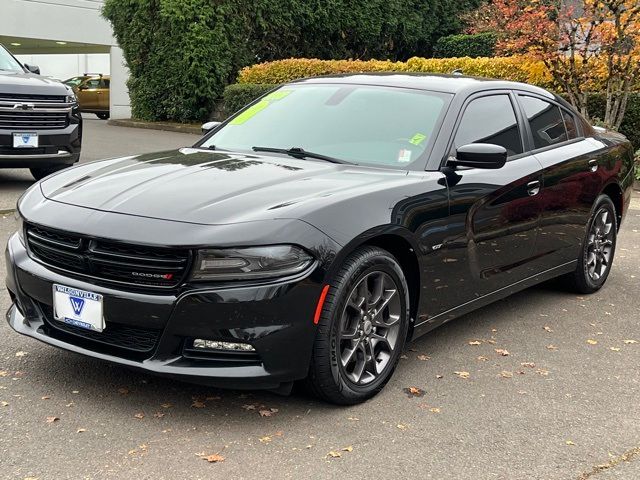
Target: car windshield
[(74, 82), (362, 124), (7, 62)]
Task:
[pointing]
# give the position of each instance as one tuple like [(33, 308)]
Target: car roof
[(453, 83)]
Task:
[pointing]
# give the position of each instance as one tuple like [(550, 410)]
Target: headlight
[(252, 262), (71, 98), (20, 226)]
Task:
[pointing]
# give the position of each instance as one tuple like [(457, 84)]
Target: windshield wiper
[(298, 152)]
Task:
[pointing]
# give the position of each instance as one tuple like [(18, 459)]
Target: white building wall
[(73, 21)]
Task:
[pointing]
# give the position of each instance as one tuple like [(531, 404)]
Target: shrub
[(240, 94), (182, 53), (474, 46), (508, 68), (630, 125)]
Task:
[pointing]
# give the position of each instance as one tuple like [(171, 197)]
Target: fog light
[(217, 345)]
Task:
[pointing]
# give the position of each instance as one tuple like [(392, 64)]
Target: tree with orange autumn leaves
[(590, 45)]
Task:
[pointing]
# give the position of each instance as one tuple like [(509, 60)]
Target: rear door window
[(546, 121)]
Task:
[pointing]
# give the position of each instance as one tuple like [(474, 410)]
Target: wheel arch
[(397, 242), (614, 192)]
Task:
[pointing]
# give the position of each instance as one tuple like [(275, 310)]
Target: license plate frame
[(25, 140), (80, 308)]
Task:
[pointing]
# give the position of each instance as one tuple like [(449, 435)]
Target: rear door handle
[(533, 188), (593, 165)]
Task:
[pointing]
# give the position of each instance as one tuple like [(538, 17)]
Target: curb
[(167, 127)]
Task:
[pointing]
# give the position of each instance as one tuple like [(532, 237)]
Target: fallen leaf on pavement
[(46, 397), (123, 391), (167, 405), (401, 426), (250, 406), (21, 354), (139, 415), (4, 404), (334, 454), (475, 342), (592, 342), (353, 419), (505, 374), (482, 358), (439, 377), (542, 372), (424, 358), (502, 351), (213, 397), (569, 442), (52, 419), (630, 342), (198, 404), (615, 349), (81, 430), (265, 439), (4, 373), (434, 410), (551, 347), (462, 374), (214, 458), (348, 449), (159, 414), (528, 364), (414, 392), (268, 413), (547, 329)]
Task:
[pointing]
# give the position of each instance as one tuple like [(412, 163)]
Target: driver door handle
[(533, 188), (593, 165)]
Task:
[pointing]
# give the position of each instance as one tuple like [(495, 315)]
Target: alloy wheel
[(369, 327), (600, 244)]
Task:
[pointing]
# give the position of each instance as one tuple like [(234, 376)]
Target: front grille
[(108, 261), (27, 119), (23, 112), (118, 335), (21, 97)]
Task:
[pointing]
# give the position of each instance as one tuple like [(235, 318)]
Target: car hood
[(206, 187), (29, 83)]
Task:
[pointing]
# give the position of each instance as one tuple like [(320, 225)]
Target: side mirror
[(32, 68), (480, 155), (207, 127)]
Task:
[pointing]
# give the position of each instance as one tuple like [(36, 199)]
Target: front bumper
[(275, 318), (56, 147)]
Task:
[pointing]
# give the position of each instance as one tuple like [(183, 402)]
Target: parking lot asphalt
[(561, 403)]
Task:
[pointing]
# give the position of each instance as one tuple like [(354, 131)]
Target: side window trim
[(488, 93), (530, 142)]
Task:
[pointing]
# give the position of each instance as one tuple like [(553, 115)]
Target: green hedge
[(237, 96), (474, 46), (182, 53)]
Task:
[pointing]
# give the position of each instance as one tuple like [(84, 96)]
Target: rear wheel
[(40, 173), (362, 328), (598, 249), (103, 115)]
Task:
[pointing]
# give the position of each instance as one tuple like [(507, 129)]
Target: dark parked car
[(40, 124), (314, 233)]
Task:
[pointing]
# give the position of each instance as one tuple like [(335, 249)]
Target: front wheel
[(362, 329), (103, 115), (598, 249)]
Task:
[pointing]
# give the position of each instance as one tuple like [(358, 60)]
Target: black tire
[(40, 173), (598, 244), (103, 115), (329, 378)]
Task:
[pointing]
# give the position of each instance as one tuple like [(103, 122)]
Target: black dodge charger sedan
[(317, 231)]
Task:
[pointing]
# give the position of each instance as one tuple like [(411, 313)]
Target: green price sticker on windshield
[(417, 139), (249, 113)]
